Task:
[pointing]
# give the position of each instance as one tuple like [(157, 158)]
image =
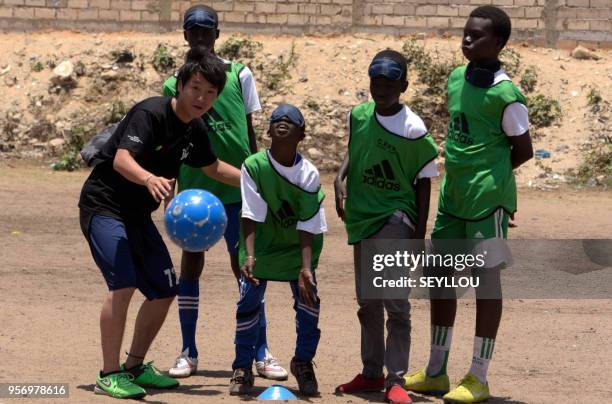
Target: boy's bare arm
[(223, 172), (251, 133), (340, 188), (306, 279), (249, 227), (522, 149), (423, 193)]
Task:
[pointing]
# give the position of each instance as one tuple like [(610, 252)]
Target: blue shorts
[(130, 255), (232, 231)]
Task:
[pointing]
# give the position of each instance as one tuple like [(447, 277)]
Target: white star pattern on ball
[(195, 220)]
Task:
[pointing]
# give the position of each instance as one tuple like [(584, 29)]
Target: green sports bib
[(277, 241), (228, 136), (382, 169), (479, 177)]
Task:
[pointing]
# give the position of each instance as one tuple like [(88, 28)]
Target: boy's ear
[(405, 86), (500, 44), (179, 86), (185, 36), (217, 36)]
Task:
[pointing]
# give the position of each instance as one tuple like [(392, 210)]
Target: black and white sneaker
[(241, 382)]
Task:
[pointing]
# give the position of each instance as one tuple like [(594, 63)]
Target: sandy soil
[(50, 293), (329, 70)]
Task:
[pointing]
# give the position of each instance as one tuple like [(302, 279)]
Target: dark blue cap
[(287, 112), (200, 17), (387, 68)]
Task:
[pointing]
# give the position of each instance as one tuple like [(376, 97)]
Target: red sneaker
[(362, 384), (397, 395)]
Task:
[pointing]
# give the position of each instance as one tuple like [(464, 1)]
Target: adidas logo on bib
[(381, 176), (286, 215)]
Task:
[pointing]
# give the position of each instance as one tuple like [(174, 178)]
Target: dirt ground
[(50, 295)]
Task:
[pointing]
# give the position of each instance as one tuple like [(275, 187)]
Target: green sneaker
[(118, 385), (146, 375)]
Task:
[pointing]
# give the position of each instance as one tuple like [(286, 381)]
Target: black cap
[(200, 17)]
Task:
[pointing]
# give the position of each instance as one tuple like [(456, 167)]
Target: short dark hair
[(201, 7), (396, 57), (201, 60), (502, 27)]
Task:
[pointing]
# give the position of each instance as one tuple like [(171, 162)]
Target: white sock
[(441, 338), (483, 351)]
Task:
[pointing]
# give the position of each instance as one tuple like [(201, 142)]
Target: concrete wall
[(548, 21)]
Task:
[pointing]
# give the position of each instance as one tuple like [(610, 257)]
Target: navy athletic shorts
[(130, 255)]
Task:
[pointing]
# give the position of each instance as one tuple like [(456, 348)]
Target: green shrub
[(312, 104), (511, 61), (597, 163), (277, 72), (70, 158), (529, 79), (430, 102), (37, 66), (236, 48), (593, 97), (543, 111), (117, 111), (163, 61)]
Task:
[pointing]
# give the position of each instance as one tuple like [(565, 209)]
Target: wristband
[(147, 179)]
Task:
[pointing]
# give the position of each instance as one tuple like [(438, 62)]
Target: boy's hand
[(306, 284), (340, 190), (247, 270), (160, 188), (511, 222)]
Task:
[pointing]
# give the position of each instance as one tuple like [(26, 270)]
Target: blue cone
[(277, 392)]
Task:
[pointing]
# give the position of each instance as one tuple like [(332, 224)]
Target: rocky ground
[(46, 115)]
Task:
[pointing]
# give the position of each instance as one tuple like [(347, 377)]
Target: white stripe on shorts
[(310, 310), (248, 324)]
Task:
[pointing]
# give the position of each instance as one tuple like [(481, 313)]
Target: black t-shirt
[(160, 143)]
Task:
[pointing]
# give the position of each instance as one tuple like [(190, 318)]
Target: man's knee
[(121, 295)]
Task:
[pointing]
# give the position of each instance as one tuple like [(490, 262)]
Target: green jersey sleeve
[(169, 87)]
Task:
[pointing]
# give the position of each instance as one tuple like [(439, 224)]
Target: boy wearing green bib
[(283, 223), (233, 139), (388, 167), (488, 137)]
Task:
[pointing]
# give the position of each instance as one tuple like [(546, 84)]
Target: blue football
[(195, 220)]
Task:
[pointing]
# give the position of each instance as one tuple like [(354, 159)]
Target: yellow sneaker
[(469, 390), (419, 382)]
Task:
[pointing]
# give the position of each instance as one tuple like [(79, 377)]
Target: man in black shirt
[(141, 161)]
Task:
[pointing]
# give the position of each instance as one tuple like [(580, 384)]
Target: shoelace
[(125, 379), (271, 361), (239, 378), (149, 366)]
